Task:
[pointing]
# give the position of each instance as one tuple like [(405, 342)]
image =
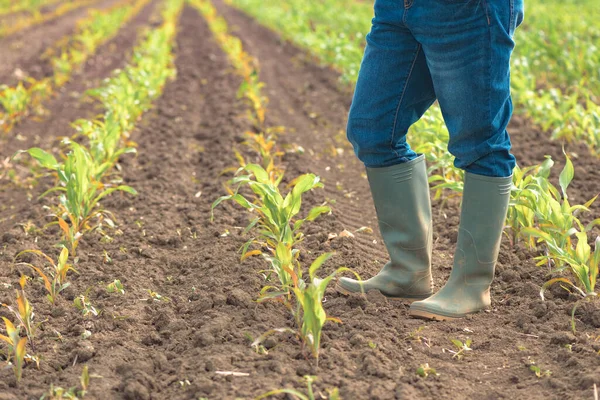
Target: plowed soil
[(25, 47), (174, 348)]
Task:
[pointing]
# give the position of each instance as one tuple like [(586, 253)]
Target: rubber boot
[(482, 217), (401, 197)]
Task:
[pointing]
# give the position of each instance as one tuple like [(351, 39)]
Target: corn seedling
[(115, 287), (157, 297), (80, 191), (58, 393), (18, 100), (279, 229), (557, 226), (425, 370), (333, 393), (57, 282), (461, 348), (15, 353), (530, 187), (308, 311), (263, 145), (84, 305), (24, 312), (539, 372)]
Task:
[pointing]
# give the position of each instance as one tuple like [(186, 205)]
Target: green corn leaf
[(45, 159), (317, 211), (242, 201), (583, 249), (592, 224), (546, 167), (528, 231), (551, 282), (318, 263), (62, 259), (259, 173), (251, 225), (591, 201), (566, 176)]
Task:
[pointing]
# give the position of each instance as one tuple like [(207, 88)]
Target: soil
[(22, 50), (69, 104), (145, 348)]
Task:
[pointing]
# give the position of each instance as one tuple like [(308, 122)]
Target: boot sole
[(346, 292), (430, 316)]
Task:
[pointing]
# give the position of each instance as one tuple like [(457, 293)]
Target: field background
[(184, 326)]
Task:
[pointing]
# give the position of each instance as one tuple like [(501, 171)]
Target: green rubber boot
[(483, 212), (401, 197)]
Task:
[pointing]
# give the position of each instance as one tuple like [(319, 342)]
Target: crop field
[(178, 198)]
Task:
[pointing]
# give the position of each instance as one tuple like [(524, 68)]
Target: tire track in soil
[(22, 50), (305, 98), (69, 104)]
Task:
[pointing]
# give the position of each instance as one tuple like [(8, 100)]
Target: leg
[(469, 63), (394, 89)]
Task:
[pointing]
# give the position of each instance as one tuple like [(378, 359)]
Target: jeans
[(454, 51)]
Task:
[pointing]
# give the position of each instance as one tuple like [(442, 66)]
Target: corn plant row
[(263, 142), (334, 35), (31, 6), (91, 32), (86, 174), (274, 214), (37, 18)]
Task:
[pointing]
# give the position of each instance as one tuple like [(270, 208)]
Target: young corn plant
[(84, 305), (263, 144), (564, 236), (57, 282), (557, 226), (276, 216), (17, 101), (24, 312), (306, 306), (530, 189), (310, 314), (73, 393), (15, 353), (80, 191)]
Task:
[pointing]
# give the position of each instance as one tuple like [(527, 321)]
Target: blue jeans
[(455, 51)]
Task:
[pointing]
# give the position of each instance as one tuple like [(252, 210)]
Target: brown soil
[(149, 349), (22, 50), (69, 104)]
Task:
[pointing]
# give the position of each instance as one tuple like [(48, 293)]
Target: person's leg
[(393, 91), (467, 44)]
